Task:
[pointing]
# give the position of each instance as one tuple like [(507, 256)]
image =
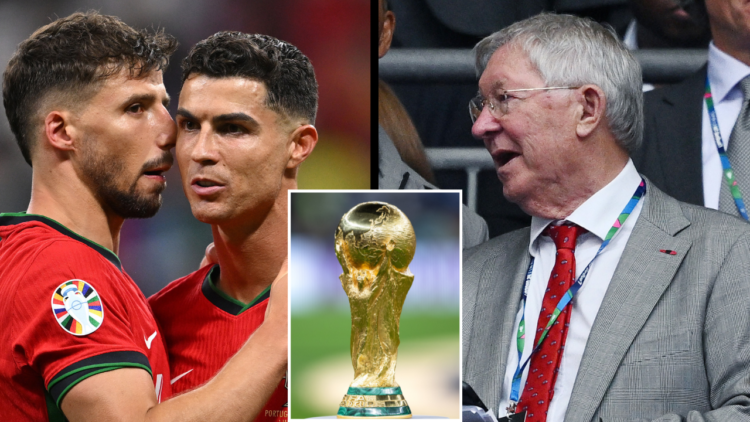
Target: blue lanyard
[(566, 298), (734, 188)]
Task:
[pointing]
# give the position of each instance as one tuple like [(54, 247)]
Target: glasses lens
[(502, 105), (475, 109)]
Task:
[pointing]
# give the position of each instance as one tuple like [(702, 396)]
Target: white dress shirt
[(724, 73), (597, 215)]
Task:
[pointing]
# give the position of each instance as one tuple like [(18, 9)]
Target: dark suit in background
[(671, 152)]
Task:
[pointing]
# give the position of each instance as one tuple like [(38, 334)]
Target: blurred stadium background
[(428, 357), (334, 34)]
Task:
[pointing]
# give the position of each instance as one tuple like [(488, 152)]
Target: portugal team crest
[(77, 307)]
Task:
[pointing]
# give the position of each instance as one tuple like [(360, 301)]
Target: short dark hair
[(72, 56), (287, 73)]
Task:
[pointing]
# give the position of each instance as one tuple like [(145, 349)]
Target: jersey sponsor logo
[(77, 307), (149, 339)]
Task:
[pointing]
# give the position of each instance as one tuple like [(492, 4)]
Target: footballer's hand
[(211, 256)]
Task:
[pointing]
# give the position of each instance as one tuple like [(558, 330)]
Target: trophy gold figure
[(374, 244)]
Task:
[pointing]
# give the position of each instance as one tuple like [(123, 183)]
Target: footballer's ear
[(59, 133), (304, 139)]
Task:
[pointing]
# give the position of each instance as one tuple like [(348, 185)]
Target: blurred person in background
[(398, 125), (696, 142), (85, 99), (244, 126), (393, 172), (667, 24)]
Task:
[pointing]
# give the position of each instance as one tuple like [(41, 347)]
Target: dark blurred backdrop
[(334, 34)]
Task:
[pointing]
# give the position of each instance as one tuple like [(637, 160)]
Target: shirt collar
[(599, 212), (724, 72), (631, 39)]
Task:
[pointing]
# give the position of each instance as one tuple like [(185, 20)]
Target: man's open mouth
[(502, 158), (206, 183)]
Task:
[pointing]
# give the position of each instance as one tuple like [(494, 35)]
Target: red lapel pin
[(668, 252)]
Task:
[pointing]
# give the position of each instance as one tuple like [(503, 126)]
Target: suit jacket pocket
[(657, 344)]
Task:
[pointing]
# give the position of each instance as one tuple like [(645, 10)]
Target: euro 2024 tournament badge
[(77, 307)]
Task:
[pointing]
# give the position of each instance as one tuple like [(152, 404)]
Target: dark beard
[(103, 172)]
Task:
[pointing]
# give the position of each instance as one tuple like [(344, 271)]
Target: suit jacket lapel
[(680, 134), (640, 279), (499, 293)]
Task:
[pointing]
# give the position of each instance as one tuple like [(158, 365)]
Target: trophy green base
[(374, 403)]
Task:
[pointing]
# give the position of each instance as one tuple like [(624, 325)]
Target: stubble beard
[(105, 170)]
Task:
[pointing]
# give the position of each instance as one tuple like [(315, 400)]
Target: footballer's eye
[(135, 108), (188, 125), (233, 128)]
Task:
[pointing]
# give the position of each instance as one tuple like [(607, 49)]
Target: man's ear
[(386, 35), (304, 139), (593, 104), (59, 133)]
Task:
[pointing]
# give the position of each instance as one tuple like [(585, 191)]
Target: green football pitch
[(322, 335)]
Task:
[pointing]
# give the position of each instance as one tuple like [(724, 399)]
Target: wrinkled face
[(730, 18), (127, 133), (531, 144), (232, 150), (686, 25)]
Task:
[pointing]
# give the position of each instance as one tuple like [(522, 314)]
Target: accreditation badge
[(77, 307)]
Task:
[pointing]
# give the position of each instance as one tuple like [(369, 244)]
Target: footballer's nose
[(205, 148), (168, 129)]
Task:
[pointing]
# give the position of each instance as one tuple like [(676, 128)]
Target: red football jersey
[(203, 327), (69, 311)]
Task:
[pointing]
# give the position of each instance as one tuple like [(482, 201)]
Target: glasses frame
[(477, 104)]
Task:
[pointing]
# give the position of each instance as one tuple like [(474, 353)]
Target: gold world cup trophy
[(374, 244)]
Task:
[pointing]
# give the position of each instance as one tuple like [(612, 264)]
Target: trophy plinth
[(375, 243), (385, 403)]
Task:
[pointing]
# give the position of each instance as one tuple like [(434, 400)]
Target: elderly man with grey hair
[(637, 305)]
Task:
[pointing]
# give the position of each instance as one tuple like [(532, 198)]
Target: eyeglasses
[(499, 105)]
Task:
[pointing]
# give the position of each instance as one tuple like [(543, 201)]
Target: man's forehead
[(230, 88), (492, 79), (124, 81), (123, 87), (506, 65), (204, 96), (154, 77)]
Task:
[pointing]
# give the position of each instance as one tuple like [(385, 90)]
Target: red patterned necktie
[(540, 382)]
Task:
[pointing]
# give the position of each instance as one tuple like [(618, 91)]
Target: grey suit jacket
[(671, 340)]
